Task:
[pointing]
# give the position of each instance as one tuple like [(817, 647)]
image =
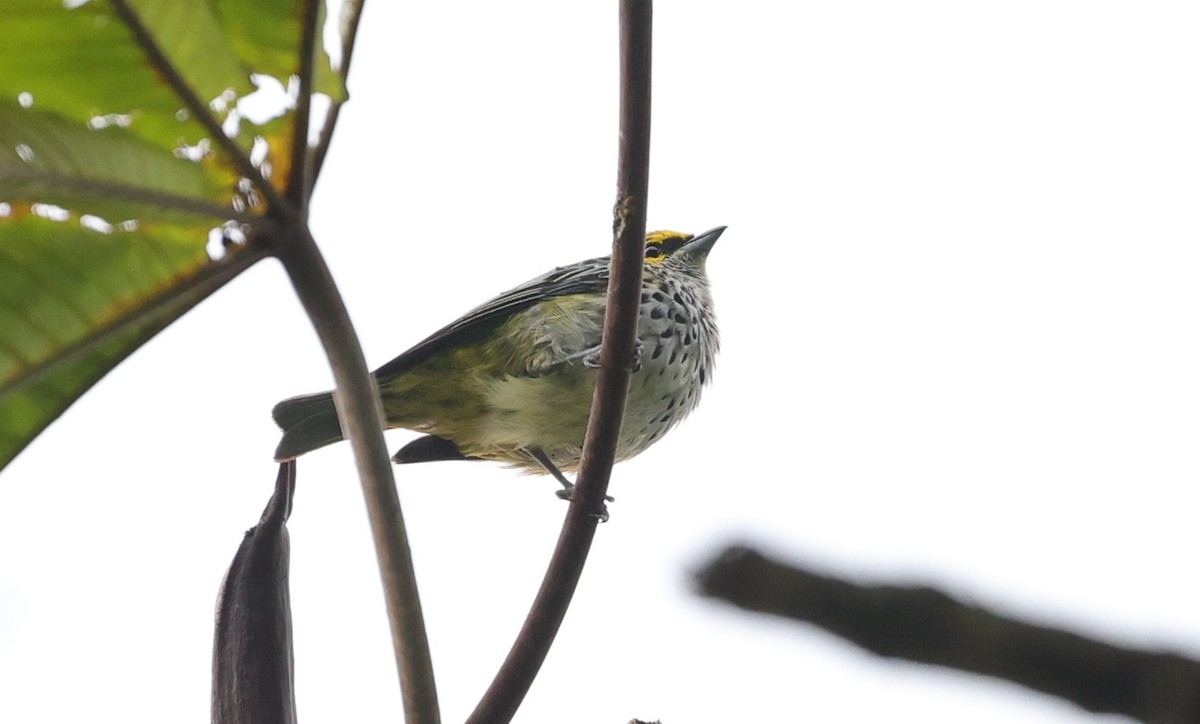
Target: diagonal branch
[(199, 110), (516, 675), (361, 417), (929, 627), (299, 187), (351, 15)]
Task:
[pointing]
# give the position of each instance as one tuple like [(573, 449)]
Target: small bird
[(512, 380)]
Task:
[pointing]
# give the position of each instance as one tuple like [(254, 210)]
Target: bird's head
[(678, 247)]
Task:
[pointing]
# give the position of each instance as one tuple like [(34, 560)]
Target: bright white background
[(959, 297)]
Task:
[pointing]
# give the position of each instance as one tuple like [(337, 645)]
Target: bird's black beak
[(701, 244)]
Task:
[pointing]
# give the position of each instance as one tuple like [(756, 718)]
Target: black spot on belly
[(666, 333), (659, 296), (671, 359), (658, 350), (657, 312), (681, 318), (679, 299), (702, 375)]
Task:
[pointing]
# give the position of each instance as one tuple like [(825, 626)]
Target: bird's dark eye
[(653, 250)]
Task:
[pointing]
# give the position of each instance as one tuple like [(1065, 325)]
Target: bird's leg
[(568, 491), (591, 356), (544, 460)]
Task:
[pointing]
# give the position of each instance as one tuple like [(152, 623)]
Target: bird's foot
[(568, 494), (591, 357), (568, 488)]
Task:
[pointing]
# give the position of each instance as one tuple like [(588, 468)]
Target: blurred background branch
[(927, 626)]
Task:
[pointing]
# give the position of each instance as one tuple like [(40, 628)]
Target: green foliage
[(61, 284), (112, 187)]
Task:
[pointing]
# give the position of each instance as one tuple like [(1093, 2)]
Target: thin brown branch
[(197, 107), (299, 188), (351, 15), (528, 652), (362, 420), (323, 141), (927, 626), (322, 148)]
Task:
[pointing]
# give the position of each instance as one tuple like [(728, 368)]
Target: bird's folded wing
[(477, 324)]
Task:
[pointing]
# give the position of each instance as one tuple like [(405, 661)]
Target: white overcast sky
[(959, 300)]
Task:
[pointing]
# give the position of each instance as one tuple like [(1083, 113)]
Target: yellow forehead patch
[(660, 244)]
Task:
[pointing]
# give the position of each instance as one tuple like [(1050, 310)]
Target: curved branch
[(362, 420), (516, 675), (284, 233)]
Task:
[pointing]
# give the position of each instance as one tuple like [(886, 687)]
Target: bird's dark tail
[(308, 422)]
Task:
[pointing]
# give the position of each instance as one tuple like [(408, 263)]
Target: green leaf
[(191, 36), (120, 120), (63, 288), (266, 35), (83, 63), (108, 172)]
